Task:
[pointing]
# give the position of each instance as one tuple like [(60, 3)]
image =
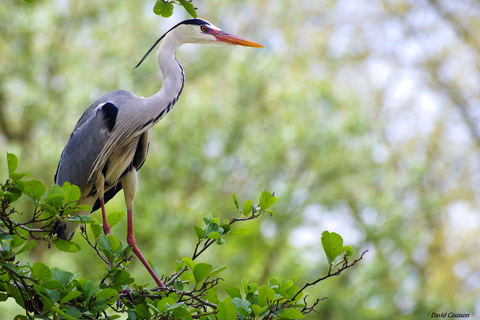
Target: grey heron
[(110, 141)]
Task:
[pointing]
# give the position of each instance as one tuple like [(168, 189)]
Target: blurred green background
[(362, 116)]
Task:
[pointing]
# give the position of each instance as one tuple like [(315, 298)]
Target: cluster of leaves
[(191, 291), (164, 8)]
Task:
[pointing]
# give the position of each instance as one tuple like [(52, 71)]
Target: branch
[(175, 276), (344, 267), (209, 242)]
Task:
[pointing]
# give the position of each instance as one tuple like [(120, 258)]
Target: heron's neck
[(173, 80)]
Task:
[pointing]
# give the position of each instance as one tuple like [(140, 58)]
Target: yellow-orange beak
[(233, 39)]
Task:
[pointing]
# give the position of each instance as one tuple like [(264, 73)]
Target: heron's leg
[(101, 191), (129, 184), (106, 226)]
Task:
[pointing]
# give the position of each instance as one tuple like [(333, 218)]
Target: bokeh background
[(361, 115)]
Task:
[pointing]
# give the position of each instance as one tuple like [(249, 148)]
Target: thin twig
[(175, 276), (344, 267)]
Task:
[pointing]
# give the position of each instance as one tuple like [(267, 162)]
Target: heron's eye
[(204, 28)]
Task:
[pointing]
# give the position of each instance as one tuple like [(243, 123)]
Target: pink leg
[(131, 241), (129, 184), (106, 227)]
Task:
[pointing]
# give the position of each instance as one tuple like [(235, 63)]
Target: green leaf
[(29, 245), (53, 293), (96, 229), (233, 292), (62, 314), (189, 7), (265, 295), (80, 218), (212, 296), (41, 272), (267, 200), (98, 305), (34, 189), (180, 311), (154, 267), (332, 245), (74, 312), (90, 289), (110, 295), (48, 211), (104, 244), (162, 304), (240, 231), (142, 311), (114, 217), (46, 300), (348, 250), (72, 192), (200, 232), (217, 271), (247, 207), (122, 278), (243, 306), (55, 197), (66, 246), (257, 310), (116, 245), (3, 297), (234, 197), (188, 262), (4, 236), (53, 284), (12, 162), (131, 315), (65, 277), (225, 226), (70, 296), (162, 8), (214, 235), (13, 194), (226, 310), (17, 241), (291, 313), (201, 271)]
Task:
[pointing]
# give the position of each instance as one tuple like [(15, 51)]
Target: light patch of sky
[(463, 220), (317, 219), (213, 148), (462, 217), (402, 298)]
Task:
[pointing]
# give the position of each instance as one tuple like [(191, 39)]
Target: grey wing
[(85, 144)]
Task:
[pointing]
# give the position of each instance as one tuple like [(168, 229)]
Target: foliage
[(164, 8), (191, 292)]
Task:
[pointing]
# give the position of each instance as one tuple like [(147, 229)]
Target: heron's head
[(203, 32), (199, 31)]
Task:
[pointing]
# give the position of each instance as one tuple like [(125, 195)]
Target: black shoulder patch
[(109, 111)]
